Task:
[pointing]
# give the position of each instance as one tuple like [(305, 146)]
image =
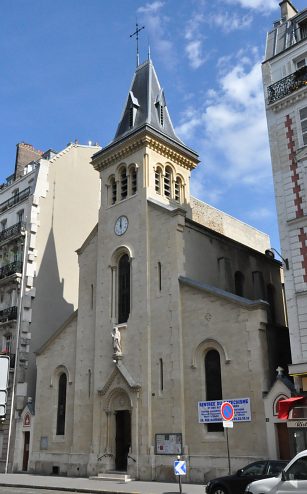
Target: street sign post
[(227, 412), (180, 468)]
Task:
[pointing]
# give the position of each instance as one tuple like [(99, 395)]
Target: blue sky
[(66, 68)]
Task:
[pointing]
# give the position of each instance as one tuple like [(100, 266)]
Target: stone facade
[(189, 290)]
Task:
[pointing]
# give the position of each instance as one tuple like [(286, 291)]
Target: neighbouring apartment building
[(47, 206), (285, 87)]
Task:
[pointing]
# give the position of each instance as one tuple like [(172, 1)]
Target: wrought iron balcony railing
[(12, 231), (15, 199), (9, 269), (9, 314), (287, 85)]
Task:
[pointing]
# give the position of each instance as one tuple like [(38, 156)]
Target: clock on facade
[(121, 225)]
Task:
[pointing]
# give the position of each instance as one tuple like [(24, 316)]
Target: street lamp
[(270, 253)]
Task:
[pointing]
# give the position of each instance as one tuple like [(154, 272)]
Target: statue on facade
[(116, 341)]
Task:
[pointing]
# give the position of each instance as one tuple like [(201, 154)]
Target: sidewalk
[(96, 486)]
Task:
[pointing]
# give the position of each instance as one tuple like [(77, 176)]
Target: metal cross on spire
[(136, 34)]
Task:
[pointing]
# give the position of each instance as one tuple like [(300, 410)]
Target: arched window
[(113, 190), (178, 188), (168, 177), (213, 383), (239, 283), (123, 183), (133, 179), (158, 180), (60, 424), (123, 288)]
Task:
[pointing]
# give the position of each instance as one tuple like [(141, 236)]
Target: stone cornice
[(123, 149)]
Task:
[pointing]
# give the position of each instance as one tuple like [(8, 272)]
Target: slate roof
[(146, 96)]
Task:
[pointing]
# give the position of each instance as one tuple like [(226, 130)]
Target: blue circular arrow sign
[(227, 411)]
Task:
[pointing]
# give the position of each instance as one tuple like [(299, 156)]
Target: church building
[(179, 309)]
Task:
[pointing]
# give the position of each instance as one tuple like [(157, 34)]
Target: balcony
[(287, 85), (9, 269), (15, 199), (12, 231), (9, 314)]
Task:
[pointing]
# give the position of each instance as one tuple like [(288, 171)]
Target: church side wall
[(210, 322), (50, 450)]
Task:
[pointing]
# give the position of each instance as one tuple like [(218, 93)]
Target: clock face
[(121, 225)]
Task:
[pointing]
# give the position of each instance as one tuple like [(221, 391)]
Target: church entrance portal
[(123, 439)]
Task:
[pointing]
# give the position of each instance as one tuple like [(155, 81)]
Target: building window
[(239, 283), (161, 375), (159, 276), (303, 29), (158, 180), (123, 183), (213, 383), (123, 288), (258, 284), (3, 224), (60, 425), (161, 115), (112, 190), (303, 118), (133, 178), (168, 182), (20, 216), (178, 187), (7, 344)]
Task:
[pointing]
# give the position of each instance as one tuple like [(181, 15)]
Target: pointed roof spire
[(146, 105)]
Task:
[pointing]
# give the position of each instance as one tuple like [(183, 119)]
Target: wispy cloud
[(155, 23), (194, 41), (260, 5), (229, 22), (231, 127)]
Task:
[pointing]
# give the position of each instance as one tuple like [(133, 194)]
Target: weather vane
[(136, 34)]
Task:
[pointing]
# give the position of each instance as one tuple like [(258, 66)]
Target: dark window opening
[(131, 116), (123, 289), (271, 300), (161, 375), (177, 189), (303, 29), (167, 182), (124, 182), (160, 276), (161, 115), (113, 190), (239, 283), (213, 384), (133, 181), (60, 428), (158, 181)]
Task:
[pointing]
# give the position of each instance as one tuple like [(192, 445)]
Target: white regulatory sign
[(210, 411)]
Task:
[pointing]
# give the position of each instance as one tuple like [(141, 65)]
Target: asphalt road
[(29, 490)]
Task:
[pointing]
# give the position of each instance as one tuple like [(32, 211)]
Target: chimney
[(287, 10), (24, 155)]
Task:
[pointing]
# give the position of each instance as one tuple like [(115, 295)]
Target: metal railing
[(287, 85), (12, 231), (9, 314), (15, 199), (9, 269)]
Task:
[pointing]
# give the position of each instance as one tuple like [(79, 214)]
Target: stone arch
[(206, 345), (60, 369), (123, 249), (118, 399)]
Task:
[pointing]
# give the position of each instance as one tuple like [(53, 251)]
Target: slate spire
[(146, 106)]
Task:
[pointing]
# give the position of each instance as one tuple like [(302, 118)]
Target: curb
[(66, 489)]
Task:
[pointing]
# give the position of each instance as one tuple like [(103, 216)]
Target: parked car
[(236, 483), (292, 479)]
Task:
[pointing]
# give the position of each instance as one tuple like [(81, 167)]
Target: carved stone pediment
[(119, 375)]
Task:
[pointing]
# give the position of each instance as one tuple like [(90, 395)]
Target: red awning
[(284, 406)]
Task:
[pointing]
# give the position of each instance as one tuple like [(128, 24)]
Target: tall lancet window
[(60, 425), (213, 383), (123, 183), (123, 289)]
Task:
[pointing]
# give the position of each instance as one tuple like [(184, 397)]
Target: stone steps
[(120, 476)]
